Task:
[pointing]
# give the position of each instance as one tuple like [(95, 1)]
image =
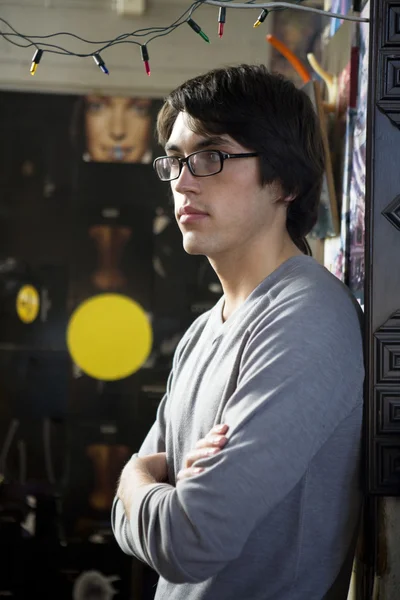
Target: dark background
[(63, 434)]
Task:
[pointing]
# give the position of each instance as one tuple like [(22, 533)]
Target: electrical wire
[(271, 5), (151, 33), (122, 38)]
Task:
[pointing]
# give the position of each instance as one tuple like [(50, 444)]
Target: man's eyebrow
[(213, 141), (171, 148)]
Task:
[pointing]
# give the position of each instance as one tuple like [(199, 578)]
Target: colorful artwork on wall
[(357, 182), (336, 254), (301, 33), (341, 7)]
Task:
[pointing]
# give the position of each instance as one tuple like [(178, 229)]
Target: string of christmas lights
[(152, 33)]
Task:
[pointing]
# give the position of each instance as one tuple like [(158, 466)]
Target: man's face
[(117, 129), (233, 209)]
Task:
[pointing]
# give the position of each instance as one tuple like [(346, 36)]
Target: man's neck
[(240, 274)]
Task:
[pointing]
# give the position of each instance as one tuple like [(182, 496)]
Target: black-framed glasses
[(202, 163)]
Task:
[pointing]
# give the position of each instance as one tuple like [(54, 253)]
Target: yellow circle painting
[(28, 303), (109, 336)]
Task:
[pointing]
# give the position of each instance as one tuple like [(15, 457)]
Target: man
[(246, 487)]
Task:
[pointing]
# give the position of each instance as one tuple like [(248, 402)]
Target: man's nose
[(186, 181)]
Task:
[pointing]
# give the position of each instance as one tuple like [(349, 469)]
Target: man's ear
[(290, 198), (286, 200), (280, 196)]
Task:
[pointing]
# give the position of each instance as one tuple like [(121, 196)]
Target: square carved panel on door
[(388, 468), (388, 84), (387, 351), (389, 76), (388, 360), (392, 24), (387, 411)]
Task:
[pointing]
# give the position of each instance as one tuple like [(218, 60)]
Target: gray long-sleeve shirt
[(273, 516)]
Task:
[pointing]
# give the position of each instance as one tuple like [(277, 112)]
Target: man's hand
[(139, 472), (213, 443)]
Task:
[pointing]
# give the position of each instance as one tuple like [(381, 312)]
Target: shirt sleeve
[(155, 439), (286, 405), (153, 443)]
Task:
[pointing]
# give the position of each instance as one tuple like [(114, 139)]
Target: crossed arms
[(277, 420)]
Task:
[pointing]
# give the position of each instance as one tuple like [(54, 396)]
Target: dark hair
[(266, 113)]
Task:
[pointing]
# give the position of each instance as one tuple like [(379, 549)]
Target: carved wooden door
[(382, 297), (382, 259)]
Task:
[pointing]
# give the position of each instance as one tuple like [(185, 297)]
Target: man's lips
[(189, 214)]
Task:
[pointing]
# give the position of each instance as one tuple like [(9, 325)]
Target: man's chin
[(191, 247)]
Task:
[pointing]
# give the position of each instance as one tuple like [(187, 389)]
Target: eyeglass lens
[(201, 163)]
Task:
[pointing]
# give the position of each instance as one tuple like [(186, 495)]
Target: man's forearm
[(135, 477), (138, 473)]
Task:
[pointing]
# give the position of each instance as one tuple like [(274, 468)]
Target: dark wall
[(64, 436)]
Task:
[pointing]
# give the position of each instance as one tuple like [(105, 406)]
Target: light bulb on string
[(145, 58), (198, 30), (36, 60), (261, 18), (221, 21), (100, 63)]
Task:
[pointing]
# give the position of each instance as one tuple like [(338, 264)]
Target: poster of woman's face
[(117, 129)]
